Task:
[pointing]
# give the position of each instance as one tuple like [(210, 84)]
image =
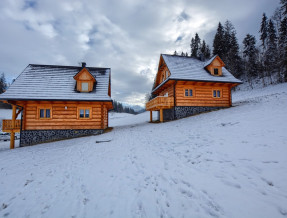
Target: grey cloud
[(183, 16), (127, 35)]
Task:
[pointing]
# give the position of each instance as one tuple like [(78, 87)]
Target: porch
[(159, 104), (8, 126), (14, 125)]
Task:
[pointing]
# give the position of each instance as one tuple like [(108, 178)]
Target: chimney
[(84, 64)]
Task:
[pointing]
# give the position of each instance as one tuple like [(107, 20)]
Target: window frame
[(216, 91), (188, 92), (84, 82), (45, 108), (84, 108), (166, 74), (216, 74)]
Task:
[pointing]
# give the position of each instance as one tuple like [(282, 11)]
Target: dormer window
[(85, 80), (85, 87), (214, 66)]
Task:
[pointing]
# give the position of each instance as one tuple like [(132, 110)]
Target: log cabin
[(185, 86), (58, 102)]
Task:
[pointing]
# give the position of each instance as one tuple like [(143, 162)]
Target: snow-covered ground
[(227, 163)]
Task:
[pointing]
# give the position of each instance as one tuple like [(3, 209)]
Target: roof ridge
[(66, 66), (178, 56)]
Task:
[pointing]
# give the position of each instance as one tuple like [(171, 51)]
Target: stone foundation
[(181, 112), (32, 137)]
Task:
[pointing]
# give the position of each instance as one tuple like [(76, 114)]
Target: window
[(44, 113), (215, 71), (85, 87), (84, 113), (166, 74), (188, 92), (216, 93)]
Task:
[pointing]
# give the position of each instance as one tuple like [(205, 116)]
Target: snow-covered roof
[(210, 61), (188, 68), (51, 82)]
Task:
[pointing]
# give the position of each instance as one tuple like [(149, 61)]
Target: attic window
[(85, 86), (166, 74), (215, 71)]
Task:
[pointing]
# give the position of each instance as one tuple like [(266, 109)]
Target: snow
[(52, 82), (187, 68), (227, 163)]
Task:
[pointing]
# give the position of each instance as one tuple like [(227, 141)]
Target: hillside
[(227, 163)]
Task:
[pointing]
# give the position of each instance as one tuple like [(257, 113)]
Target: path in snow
[(227, 163)]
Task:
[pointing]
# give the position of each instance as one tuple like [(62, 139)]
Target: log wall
[(64, 115), (203, 94)]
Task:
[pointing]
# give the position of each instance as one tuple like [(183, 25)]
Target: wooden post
[(12, 134), (161, 115), (150, 116)]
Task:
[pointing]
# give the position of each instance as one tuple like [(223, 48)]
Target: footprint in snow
[(270, 183), (27, 182), (231, 184), (186, 193)]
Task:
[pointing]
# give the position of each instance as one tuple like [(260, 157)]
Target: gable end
[(214, 66), (85, 81)]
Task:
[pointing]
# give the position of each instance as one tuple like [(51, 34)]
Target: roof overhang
[(207, 81)]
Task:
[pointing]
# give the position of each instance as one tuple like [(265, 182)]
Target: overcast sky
[(128, 36)]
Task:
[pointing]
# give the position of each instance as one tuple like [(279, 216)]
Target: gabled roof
[(52, 82), (192, 69), (85, 70), (212, 59)]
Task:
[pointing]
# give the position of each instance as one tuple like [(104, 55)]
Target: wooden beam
[(150, 116), (161, 115), (12, 134), (19, 111), (102, 115)]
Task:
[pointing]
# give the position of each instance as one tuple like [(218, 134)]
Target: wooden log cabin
[(58, 102), (185, 86)]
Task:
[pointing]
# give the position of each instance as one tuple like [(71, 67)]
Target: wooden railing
[(160, 102), (7, 126)]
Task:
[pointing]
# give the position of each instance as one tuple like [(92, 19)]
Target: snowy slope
[(227, 163)]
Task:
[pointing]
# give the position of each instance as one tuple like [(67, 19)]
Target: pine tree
[(218, 42), (231, 47), (195, 45), (284, 7), (204, 50), (3, 84), (264, 31), (283, 49), (175, 53), (250, 54), (182, 54), (277, 17), (271, 55)]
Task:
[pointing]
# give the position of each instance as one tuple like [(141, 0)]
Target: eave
[(192, 80)]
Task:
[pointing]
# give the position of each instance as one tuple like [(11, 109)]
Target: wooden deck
[(159, 103), (7, 126)]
